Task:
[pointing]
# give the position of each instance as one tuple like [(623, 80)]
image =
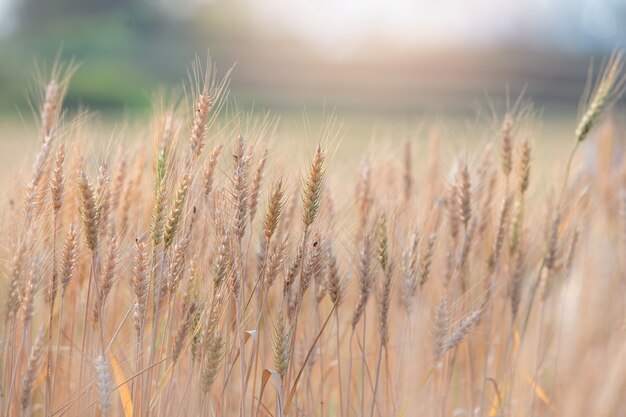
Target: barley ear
[(57, 182), (158, 209), (140, 283), (69, 256), (426, 260), (103, 384), (506, 153), (240, 187), (313, 188), (334, 284), (173, 221), (608, 89), (464, 328), (274, 209), (255, 185), (88, 213), (365, 280), (465, 197), (183, 329), (281, 346), (440, 330), (524, 168), (213, 357), (209, 170), (202, 107), (32, 367)]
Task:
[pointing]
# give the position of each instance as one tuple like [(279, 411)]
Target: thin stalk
[(94, 261), (349, 371), (539, 360), (380, 356), (156, 310), (339, 363), (48, 393), (242, 361), (186, 387), (257, 345), (293, 331), (14, 372), (11, 357), (363, 364), (56, 350), (136, 388), (568, 168)]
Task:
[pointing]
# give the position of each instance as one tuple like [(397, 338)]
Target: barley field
[(210, 263)]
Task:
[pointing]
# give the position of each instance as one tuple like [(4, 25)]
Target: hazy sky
[(560, 23), (7, 21), (569, 24)]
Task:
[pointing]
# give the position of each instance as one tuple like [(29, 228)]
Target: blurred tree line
[(33, 13), (129, 48), (126, 48)]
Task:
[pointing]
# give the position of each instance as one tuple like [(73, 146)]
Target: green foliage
[(124, 52)]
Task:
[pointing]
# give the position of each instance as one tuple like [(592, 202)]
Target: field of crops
[(214, 261)]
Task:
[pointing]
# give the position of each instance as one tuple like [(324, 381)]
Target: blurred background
[(390, 58)]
